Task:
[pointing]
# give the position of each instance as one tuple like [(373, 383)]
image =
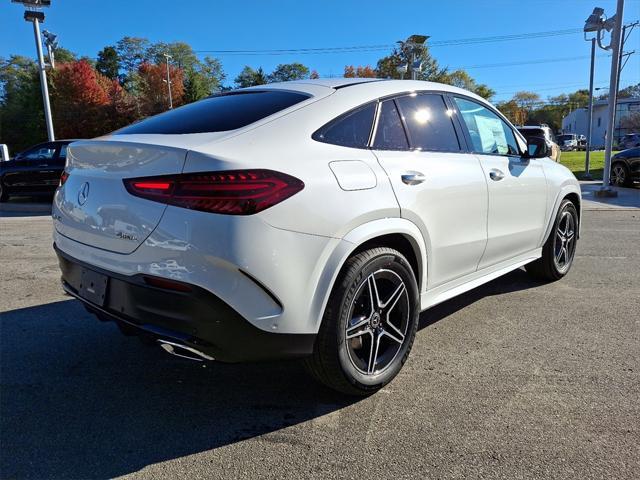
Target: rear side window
[(217, 114), (429, 123), (390, 132), (350, 130)]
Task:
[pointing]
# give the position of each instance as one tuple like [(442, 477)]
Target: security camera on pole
[(414, 44), (35, 15)]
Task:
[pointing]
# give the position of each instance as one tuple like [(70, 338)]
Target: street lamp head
[(595, 22), (417, 39), (33, 3)]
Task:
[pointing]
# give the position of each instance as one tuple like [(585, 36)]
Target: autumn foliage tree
[(359, 72), (78, 98), (85, 103), (152, 88)]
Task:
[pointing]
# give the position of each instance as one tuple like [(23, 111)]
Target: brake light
[(231, 192), (63, 177)]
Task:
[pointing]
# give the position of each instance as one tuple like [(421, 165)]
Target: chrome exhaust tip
[(183, 351)]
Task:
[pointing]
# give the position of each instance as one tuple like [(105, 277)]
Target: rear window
[(531, 132), (217, 114)]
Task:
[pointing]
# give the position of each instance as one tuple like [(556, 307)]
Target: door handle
[(496, 174), (413, 178)]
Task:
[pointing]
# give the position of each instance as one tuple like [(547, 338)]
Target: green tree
[(460, 78), (62, 55), (632, 91), (249, 77), (182, 55), (21, 112), (132, 52), (203, 79), (108, 62), (288, 71)]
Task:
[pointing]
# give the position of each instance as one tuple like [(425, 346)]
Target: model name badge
[(126, 236)]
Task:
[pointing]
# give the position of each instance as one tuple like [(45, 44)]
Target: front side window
[(489, 133), (429, 122), (219, 113), (390, 132), (350, 130)]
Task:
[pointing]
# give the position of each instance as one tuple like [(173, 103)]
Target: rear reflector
[(63, 177), (231, 192), (167, 284)]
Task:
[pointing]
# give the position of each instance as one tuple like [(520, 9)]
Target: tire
[(554, 264), (374, 285), (620, 175)]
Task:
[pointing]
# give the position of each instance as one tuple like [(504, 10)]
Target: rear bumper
[(196, 318)]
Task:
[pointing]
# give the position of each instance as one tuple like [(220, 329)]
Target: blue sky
[(85, 26)]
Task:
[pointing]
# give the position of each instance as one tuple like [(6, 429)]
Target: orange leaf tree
[(152, 88)]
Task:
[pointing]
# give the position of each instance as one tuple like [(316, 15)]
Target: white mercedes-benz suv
[(311, 219)]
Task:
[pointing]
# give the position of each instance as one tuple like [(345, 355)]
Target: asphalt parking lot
[(515, 379)]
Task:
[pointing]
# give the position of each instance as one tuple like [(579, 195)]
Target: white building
[(576, 121)]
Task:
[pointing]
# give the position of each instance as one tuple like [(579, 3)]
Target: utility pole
[(168, 80), (616, 46), (587, 173)]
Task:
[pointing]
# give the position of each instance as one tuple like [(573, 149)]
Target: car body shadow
[(79, 400)]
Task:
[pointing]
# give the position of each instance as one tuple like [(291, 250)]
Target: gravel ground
[(512, 380)]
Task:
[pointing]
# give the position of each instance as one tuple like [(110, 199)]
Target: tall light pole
[(168, 80), (593, 24), (36, 17)]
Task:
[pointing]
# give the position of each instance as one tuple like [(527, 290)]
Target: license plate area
[(93, 286)]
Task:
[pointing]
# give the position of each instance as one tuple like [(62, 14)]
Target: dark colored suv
[(35, 171), (625, 167)]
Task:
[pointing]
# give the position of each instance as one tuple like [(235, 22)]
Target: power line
[(524, 62), (527, 62), (379, 47)]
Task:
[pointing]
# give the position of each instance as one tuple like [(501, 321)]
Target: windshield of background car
[(219, 113), (562, 138), (532, 132)]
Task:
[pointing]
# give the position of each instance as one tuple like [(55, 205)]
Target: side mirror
[(537, 148)]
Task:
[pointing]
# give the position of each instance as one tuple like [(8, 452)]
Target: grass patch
[(574, 161)]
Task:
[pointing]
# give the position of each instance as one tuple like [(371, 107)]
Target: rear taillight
[(63, 177), (232, 192)]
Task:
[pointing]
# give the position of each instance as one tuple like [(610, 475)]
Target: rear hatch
[(93, 207)]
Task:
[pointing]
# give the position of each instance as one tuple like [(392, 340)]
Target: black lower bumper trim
[(196, 318)]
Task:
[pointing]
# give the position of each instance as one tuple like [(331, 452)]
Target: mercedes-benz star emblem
[(83, 193)]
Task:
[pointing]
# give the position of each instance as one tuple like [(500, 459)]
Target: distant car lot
[(515, 379)]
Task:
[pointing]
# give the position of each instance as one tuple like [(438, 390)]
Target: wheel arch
[(398, 233), (572, 193)]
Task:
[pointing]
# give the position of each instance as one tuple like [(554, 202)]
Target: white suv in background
[(311, 219)]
